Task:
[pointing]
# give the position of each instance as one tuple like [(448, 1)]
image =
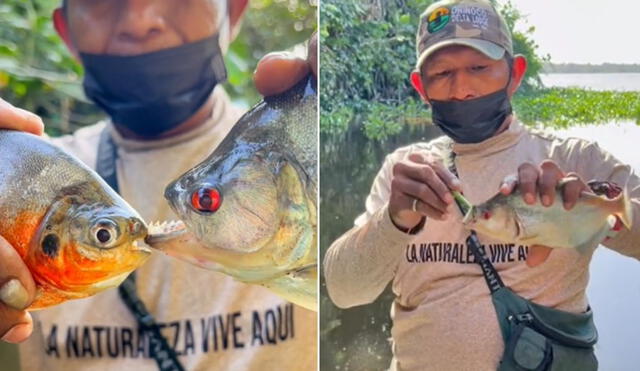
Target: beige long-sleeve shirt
[(213, 321), (443, 317)]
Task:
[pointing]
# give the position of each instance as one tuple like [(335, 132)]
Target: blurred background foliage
[(37, 72)]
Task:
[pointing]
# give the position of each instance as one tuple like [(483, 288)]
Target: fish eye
[(105, 233), (206, 200)]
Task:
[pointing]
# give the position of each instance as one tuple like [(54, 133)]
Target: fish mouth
[(140, 248), (470, 216), (111, 282), (166, 231)]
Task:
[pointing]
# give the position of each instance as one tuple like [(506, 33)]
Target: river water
[(595, 81), (614, 286), (357, 338)]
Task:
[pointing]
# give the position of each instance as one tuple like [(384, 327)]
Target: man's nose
[(460, 88), (141, 20)]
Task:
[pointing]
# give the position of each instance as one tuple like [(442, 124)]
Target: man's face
[(461, 73), (131, 27)]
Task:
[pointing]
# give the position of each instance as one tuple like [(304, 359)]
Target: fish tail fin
[(623, 209)]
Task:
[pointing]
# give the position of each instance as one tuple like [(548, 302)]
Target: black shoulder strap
[(164, 355), (488, 270)]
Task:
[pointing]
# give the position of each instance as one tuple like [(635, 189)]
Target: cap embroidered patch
[(478, 17), (438, 19)]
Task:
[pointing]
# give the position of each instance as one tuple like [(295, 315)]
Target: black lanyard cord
[(160, 350), (491, 276)]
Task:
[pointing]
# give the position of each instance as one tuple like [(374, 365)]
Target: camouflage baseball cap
[(473, 23)]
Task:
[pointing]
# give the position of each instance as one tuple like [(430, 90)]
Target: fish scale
[(52, 207)]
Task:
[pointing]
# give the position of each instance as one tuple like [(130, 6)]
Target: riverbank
[(558, 107)]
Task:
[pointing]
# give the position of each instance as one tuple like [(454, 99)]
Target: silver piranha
[(75, 234), (510, 219), (250, 208)]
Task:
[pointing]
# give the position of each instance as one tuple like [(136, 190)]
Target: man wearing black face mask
[(155, 66), (411, 232)]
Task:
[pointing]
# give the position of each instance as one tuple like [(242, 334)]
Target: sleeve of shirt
[(359, 265), (594, 163)]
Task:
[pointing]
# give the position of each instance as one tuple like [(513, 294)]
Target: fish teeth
[(166, 226)]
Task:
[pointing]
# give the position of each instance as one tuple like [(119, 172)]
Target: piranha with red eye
[(249, 210), (206, 200), (587, 224)]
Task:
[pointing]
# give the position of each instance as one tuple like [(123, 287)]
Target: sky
[(585, 31)]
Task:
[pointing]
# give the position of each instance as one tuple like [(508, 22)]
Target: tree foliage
[(367, 53), (37, 72)]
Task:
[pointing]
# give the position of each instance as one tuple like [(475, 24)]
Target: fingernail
[(448, 198), (14, 294), (456, 183), (17, 333), (529, 198), (546, 200)]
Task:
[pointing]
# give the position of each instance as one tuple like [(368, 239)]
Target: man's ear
[(517, 73), (62, 28), (416, 82), (236, 9)]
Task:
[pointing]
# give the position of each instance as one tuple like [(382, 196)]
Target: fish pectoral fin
[(595, 240)]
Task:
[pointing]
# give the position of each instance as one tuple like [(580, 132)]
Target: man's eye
[(442, 74), (478, 68)]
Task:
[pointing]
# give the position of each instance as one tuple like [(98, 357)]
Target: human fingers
[(424, 173), (17, 291), (571, 190), (14, 118), (413, 189), (527, 182), (277, 72), (550, 175)]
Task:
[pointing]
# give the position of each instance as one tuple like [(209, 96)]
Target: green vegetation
[(563, 107), (37, 72)]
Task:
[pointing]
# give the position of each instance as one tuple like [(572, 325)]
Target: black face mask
[(473, 120), (152, 93)]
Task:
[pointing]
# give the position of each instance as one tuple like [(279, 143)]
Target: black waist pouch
[(542, 338)]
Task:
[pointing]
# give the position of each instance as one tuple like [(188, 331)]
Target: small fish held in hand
[(249, 210), (75, 234), (510, 219)]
